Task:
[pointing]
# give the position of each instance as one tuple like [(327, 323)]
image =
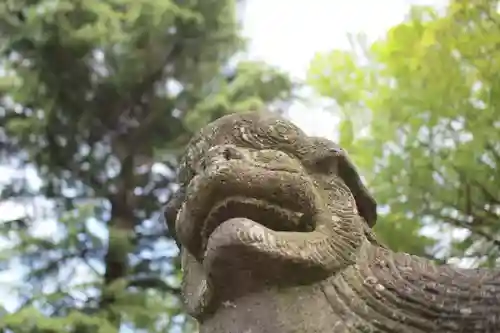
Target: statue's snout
[(222, 154)]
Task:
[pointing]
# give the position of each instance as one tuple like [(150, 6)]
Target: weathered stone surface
[(275, 230)]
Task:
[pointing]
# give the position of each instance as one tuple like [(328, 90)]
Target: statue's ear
[(366, 204)]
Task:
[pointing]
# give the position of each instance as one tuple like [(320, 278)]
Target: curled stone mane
[(275, 233)]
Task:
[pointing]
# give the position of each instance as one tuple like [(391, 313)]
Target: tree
[(429, 147), (98, 99)]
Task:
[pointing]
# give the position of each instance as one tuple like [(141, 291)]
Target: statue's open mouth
[(263, 212), (279, 200)]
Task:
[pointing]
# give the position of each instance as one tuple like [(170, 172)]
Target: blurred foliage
[(97, 100), (421, 118)]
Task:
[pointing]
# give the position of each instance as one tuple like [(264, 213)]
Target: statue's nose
[(223, 153)]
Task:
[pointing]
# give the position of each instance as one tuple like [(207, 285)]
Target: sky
[(288, 34)]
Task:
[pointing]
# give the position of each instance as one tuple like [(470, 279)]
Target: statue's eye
[(325, 164), (184, 176), (327, 160), (186, 171)]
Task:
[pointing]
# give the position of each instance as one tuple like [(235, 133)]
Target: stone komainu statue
[(275, 230)]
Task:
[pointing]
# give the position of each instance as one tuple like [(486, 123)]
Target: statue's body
[(275, 229)]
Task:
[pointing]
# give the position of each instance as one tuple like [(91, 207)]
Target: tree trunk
[(121, 230)]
